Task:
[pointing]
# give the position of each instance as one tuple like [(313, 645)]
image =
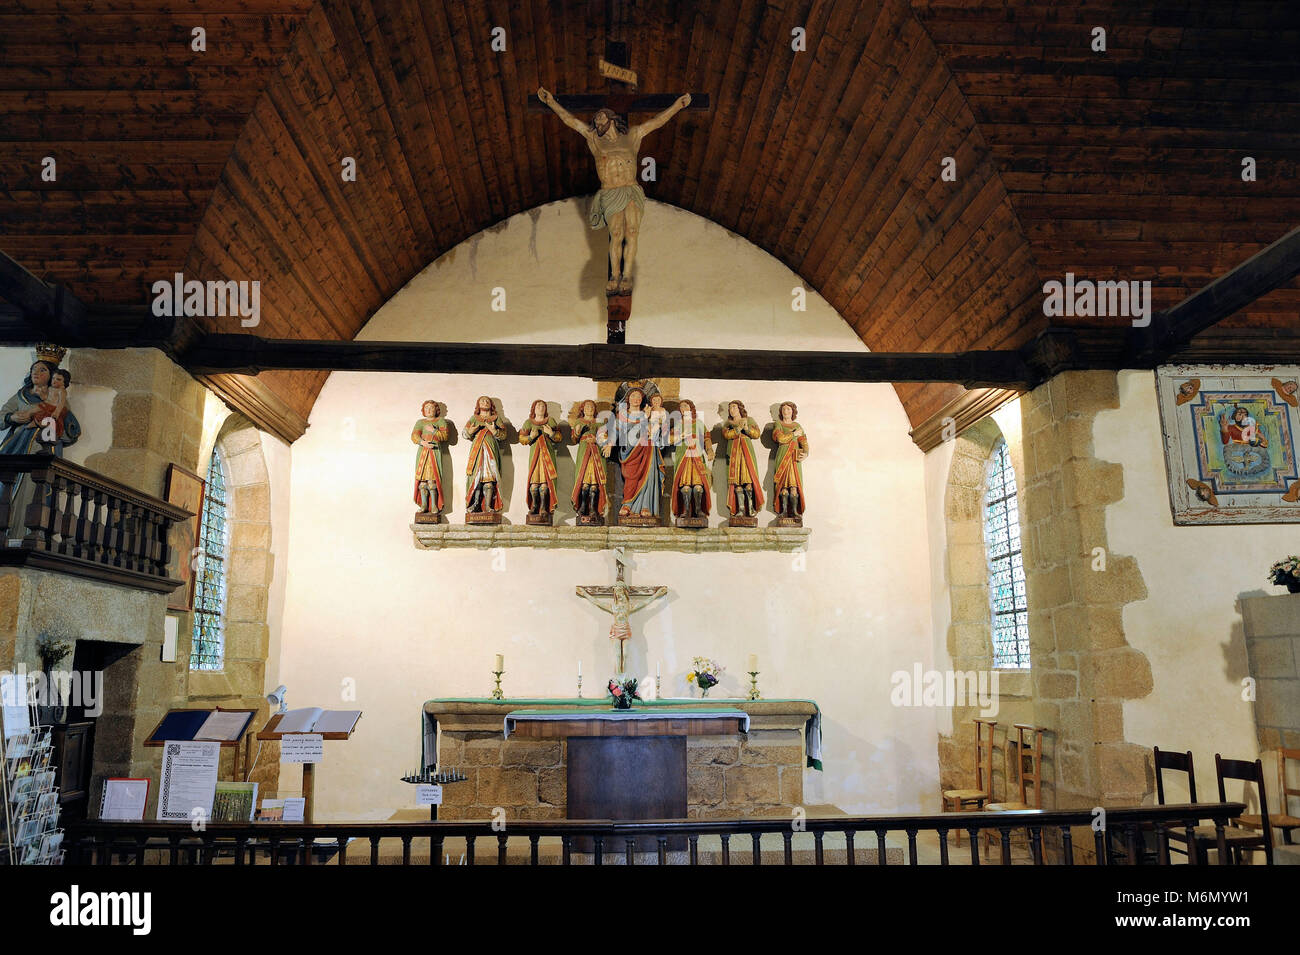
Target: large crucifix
[(621, 601), (619, 204)]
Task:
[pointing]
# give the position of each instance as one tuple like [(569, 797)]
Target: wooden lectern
[(182, 724), (269, 732)]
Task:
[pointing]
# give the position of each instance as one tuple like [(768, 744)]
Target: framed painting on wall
[(184, 489), (1230, 437)]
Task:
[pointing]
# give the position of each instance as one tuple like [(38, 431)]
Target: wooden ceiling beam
[(1174, 328), (250, 355), (48, 312)]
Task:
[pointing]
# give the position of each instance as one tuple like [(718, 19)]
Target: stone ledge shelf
[(707, 540)]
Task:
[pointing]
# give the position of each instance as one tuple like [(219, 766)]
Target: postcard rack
[(31, 833)]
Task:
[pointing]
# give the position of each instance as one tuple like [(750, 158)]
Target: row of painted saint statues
[(659, 454)]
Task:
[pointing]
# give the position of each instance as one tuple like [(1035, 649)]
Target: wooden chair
[(1029, 769), (972, 800), (1282, 821), (1237, 838), (1182, 763)]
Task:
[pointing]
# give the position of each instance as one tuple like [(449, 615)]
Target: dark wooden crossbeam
[(620, 97), (1173, 329), (249, 355), (48, 312), (622, 103)]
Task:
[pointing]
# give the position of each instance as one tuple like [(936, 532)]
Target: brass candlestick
[(658, 686), (497, 694), (753, 685), (579, 686)]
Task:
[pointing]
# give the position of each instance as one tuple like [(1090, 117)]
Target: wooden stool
[(972, 800), (1282, 821), (1029, 768)]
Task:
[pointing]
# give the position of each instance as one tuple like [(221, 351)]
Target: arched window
[(208, 649), (1006, 569)]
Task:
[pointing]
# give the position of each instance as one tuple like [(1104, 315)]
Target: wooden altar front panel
[(627, 768), (627, 777)]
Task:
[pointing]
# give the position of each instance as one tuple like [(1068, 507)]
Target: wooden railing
[(1126, 833), (80, 522)]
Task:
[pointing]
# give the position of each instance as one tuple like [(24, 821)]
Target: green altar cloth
[(429, 723)]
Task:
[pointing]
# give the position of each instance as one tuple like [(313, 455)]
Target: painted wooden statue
[(590, 494), (430, 433), (483, 501), (641, 460), (37, 420), (791, 449), (689, 487), (541, 433), (744, 481), (620, 203)]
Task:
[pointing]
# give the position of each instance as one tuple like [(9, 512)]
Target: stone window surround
[(249, 569), (970, 635)]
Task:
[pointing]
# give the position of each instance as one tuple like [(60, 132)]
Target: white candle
[(753, 663), (501, 663), (657, 664), (579, 668)]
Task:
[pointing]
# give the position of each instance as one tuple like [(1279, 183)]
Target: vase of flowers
[(53, 646), (1286, 573), (704, 674), (623, 692)]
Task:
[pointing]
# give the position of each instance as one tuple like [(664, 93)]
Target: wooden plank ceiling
[(226, 163)]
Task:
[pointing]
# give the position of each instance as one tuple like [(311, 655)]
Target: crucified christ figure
[(620, 602), (620, 202)]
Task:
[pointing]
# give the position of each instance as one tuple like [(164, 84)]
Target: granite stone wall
[(1083, 668), (756, 773), (1272, 628)]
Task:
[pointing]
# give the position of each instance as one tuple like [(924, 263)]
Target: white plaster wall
[(363, 604), (1190, 626), (279, 469), (92, 404), (938, 465)]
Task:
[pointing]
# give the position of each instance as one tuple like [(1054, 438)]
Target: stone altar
[(729, 776)]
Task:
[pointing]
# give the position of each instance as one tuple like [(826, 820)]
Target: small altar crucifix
[(619, 203), (618, 601)]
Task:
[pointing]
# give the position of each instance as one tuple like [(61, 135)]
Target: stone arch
[(969, 638), (249, 568)]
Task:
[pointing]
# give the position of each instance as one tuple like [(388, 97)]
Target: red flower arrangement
[(623, 693)]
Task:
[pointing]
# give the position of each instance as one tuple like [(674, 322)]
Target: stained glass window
[(1006, 569), (208, 649)]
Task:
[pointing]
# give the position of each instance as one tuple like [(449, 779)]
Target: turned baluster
[(98, 528), (7, 479), (68, 518), (39, 519), (157, 538), (149, 542), (126, 542), (112, 530), (65, 491), (165, 525), (85, 524), (130, 553), (144, 540), (130, 537)]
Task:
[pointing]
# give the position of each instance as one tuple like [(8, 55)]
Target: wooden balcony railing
[(67, 518), (1049, 835)]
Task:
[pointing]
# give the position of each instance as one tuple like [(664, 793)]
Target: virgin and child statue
[(643, 434), (37, 420)]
